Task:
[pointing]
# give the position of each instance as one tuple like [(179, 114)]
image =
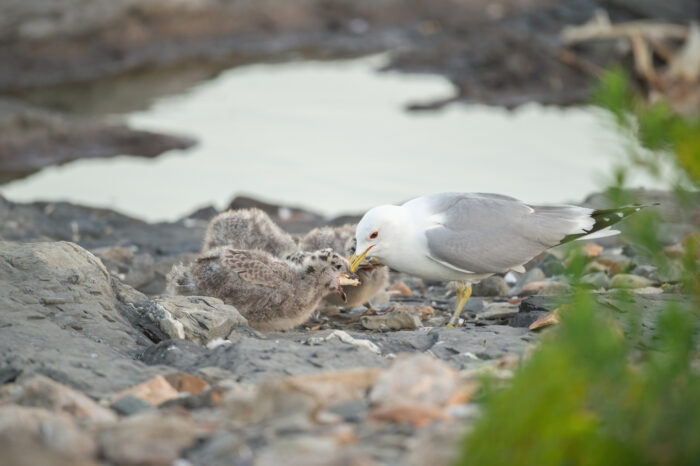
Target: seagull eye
[(374, 235)]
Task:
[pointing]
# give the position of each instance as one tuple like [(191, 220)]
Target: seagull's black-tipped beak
[(356, 261)]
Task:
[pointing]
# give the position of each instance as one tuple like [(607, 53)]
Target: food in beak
[(346, 279)]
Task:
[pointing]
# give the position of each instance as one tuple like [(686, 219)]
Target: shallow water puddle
[(334, 137)]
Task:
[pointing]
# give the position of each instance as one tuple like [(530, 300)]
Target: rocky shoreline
[(96, 371)]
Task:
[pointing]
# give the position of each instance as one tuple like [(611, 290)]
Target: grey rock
[(551, 265), (253, 359), (491, 286), (490, 342), (596, 280), (103, 230), (60, 298), (199, 319), (350, 411), (128, 405), (494, 311)]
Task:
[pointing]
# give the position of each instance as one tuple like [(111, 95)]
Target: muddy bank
[(502, 53), (33, 138)]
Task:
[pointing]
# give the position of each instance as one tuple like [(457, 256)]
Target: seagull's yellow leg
[(463, 293)]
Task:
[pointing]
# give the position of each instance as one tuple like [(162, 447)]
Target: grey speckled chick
[(273, 294), (249, 229), (342, 240)]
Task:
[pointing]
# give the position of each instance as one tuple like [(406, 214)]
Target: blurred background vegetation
[(597, 390)]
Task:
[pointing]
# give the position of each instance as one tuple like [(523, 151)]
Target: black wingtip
[(605, 218)]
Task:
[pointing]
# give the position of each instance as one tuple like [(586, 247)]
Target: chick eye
[(374, 235)]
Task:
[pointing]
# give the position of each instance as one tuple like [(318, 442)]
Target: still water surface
[(334, 137)]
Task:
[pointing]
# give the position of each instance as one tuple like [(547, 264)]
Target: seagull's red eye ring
[(374, 235)]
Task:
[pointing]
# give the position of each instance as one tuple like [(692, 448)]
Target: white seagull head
[(377, 232)]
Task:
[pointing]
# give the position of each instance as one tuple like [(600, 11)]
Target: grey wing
[(483, 233)]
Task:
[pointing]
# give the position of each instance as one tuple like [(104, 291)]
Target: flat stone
[(624, 280), (199, 319)]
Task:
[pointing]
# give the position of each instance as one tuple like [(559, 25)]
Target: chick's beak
[(355, 260), (346, 279)]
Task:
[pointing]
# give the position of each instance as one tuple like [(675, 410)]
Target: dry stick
[(643, 62), (568, 57), (597, 29)]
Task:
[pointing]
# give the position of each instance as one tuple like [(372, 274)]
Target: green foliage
[(579, 400), (593, 394)]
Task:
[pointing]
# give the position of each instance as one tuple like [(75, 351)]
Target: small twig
[(570, 58), (643, 60)]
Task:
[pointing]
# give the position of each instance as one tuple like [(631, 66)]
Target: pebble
[(554, 289), (552, 266), (625, 280), (128, 405), (350, 411), (596, 280), (394, 320), (491, 286), (498, 311)]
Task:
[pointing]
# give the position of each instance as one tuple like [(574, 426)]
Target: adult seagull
[(466, 237)]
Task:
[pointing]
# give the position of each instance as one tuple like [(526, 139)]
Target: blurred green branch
[(596, 391)]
